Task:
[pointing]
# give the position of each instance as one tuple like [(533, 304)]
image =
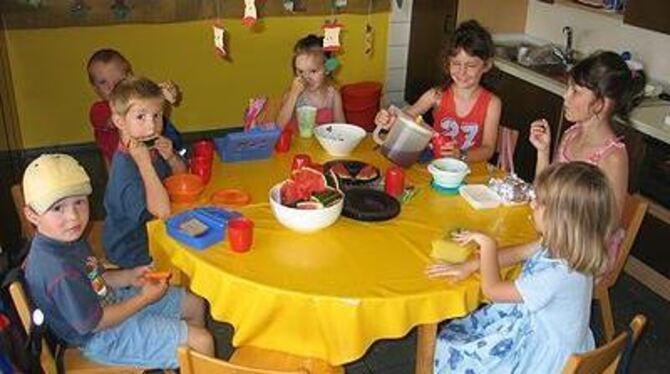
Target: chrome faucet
[(566, 54)]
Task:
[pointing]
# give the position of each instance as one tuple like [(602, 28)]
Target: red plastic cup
[(394, 182), (203, 148), (300, 161), (284, 142), (202, 167), (240, 234), (438, 141)]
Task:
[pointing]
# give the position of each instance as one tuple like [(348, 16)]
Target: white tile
[(399, 34), (396, 98), (395, 79), (397, 57), (403, 14)]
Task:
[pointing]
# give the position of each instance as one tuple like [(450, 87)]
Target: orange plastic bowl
[(184, 188)]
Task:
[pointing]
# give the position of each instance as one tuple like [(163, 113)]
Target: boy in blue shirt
[(135, 193), (120, 317)]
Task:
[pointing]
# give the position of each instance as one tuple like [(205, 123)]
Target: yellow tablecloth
[(331, 294)]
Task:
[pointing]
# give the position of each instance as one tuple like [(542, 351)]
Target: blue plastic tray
[(216, 220), (255, 144)]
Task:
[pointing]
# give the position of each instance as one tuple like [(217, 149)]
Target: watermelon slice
[(341, 171), (309, 205), (291, 193), (367, 173), (309, 180)]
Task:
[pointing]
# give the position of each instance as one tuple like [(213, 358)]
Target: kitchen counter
[(648, 118)]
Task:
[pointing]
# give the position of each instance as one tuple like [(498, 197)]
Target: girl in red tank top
[(466, 114)]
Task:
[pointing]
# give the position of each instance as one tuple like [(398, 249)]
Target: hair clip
[(331, 64)]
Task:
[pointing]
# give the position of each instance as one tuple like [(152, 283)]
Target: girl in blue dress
[(535, 322)]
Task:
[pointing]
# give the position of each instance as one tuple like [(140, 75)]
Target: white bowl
[(448, 172), (303, 220), (339, 139)]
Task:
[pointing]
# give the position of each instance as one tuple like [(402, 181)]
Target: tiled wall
[(398, 44), (595, 31)]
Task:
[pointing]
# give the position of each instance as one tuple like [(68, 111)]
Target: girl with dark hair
[(600, 86), (466, 115)]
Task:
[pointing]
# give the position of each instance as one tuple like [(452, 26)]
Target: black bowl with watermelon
[(351, 173), (308, 188)]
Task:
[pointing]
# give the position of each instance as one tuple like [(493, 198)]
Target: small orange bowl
[(184, 188)]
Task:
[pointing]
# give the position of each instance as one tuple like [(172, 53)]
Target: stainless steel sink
[(546, 60)]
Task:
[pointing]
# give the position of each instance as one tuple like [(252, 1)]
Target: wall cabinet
[(648, 14)]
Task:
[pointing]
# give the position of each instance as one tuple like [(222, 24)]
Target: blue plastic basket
[(255, 144), (216, 220)]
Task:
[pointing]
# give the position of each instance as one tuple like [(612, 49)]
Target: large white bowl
[(448, 172), (303, 220), (339, 139)]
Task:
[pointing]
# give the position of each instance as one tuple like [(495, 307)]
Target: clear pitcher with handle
[(406, 140)]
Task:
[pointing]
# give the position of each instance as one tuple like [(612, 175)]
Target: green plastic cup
[(306, 120)]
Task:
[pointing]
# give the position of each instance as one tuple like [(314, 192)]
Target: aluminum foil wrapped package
[(512, 189)]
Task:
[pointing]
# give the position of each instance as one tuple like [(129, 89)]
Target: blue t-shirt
[(170, 131), (65, 282), (124, 233)]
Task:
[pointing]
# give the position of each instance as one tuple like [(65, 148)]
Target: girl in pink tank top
[(600, 86), (465, 114), (311, 86)]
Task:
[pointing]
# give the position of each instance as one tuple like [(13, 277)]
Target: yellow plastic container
[(450, 251)]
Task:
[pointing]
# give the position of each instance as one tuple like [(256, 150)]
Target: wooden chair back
[(607, 358), (192, 362), (27, 228)]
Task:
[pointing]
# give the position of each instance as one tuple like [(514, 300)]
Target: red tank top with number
[(467, 130)]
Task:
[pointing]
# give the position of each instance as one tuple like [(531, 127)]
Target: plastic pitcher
[(405, 141)]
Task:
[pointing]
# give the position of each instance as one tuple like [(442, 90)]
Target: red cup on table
[(394, 181), (203, 148), (240, 234), (202, 167), (301, 160), (284, 142)]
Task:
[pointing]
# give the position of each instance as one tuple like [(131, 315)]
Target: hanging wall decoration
[(250, 13), (288, 5), (220, 40), (339, 4), (369, 38), (79, 9), (331, 36), (120, 9)]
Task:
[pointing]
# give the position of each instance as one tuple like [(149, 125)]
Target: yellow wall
[(53, 94)]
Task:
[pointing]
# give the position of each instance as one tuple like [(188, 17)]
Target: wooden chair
[(633, 213), (93, 232), (73, 360), (607, 358), (250, 356), (192, 362)]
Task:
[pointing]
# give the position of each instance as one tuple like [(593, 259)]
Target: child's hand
[(463, 237), (385, 119), (137, 275), (153, 290), (170, 91), (297, 86), (164, 147), (451, 149), (455, 271), (137, 149), (540, 135)]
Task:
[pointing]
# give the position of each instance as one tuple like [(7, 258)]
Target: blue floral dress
[(534, 336)]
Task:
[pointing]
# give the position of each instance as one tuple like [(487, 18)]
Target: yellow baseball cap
[(52, 177)]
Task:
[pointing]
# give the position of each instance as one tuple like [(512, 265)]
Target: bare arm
[(289, 101), (540, 137), (425, 102), (506, 257), (338, 111), (488, 147), (158, 201), (493, 287), (119, 278), (615, 167)]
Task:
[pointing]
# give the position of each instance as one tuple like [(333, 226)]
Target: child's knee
[(193, 307), (201, 340)]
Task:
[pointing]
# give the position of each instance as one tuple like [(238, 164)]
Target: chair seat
[(75, 362), (269, 359)]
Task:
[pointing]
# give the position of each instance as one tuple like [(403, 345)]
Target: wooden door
[(648, 14), (433, 25)]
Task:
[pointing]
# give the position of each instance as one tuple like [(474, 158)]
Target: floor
[(629, 297)]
